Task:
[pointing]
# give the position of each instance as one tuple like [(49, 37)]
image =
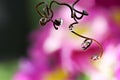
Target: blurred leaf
[(7, 69), (32, 14), (83, 76)]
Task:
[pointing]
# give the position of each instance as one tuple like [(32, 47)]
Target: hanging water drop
[(95, 57), (86, 44), (58, 22), (43, 20)]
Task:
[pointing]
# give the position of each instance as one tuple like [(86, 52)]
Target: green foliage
[(32, 14), (7, 69), (83, 76)]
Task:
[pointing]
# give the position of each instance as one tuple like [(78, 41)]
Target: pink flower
[(57, 54), (82, 3)]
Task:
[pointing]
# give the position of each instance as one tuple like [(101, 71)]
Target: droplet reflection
[(86, 44), (58, 22), (95, 57), (43, 21)]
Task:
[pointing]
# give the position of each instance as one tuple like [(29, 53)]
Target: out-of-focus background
[(18, 19)]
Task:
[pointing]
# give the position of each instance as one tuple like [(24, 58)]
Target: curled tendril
[(87, 43), (47, 16)]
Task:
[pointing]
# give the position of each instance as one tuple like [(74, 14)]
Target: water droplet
[(86, 44), (43, 20), (95, 57), (58, 22)]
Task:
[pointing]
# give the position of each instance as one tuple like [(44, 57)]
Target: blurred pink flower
[(86, 4), (56, 54), (108, 3)]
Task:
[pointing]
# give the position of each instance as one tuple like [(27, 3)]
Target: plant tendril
[(47, 16)]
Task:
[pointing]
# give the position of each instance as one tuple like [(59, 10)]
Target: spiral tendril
[(47, 16)]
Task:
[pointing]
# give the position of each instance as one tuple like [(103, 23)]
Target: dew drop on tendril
[(43, 21), (86, 44), (58, 22), (95, 57)]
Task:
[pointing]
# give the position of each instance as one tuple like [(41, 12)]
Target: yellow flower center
[(57, 74)]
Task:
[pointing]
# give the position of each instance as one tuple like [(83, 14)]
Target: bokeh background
[(31, 52), (17, 19)]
